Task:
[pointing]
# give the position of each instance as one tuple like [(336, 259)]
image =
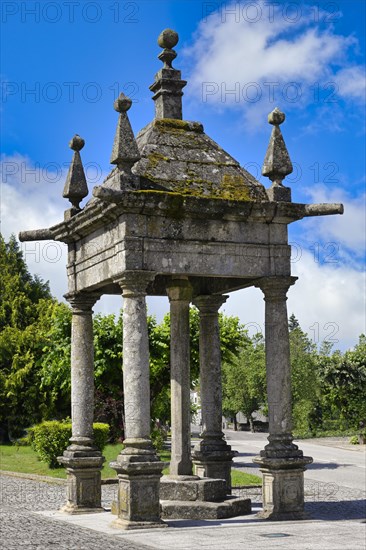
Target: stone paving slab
[(242, 532)]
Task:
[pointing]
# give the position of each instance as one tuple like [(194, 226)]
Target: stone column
[(82, 459), (180, 295), (282, 463), (212, 456), (138, 467)]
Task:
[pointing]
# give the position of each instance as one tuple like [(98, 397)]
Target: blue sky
[(63, 63)]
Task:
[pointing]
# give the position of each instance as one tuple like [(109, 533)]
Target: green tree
[(23, 313), (244, 379), (304, 379), (343, 379)]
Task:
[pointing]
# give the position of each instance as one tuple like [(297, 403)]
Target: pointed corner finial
[(168, 39), (125, 152), (277, 163), (76, 188)]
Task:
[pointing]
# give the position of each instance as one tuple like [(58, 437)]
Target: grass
[(24, 460)]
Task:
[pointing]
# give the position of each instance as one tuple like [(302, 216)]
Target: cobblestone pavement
[(21, 528), (324, 501)]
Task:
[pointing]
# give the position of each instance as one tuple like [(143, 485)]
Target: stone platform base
[(229, 508), (192, 488), (73, 509), (130, 525), (286, 516)]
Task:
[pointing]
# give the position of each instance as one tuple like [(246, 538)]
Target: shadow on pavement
[(337, 510)]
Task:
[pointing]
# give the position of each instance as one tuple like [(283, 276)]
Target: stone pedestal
[(212, 456), (82, 459), (180, 295), (283, 488), (138, 467), (281, 461)]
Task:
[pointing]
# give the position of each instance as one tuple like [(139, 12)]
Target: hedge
[(50, 438)]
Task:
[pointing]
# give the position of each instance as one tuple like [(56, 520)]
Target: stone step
[(192, 488), (229, 508)]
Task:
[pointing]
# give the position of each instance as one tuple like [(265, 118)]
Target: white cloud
[(275, 60), (327, 300), (348, 231), (351, 82)]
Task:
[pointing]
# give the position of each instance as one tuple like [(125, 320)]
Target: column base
[(283, 487), (213, 458), (83, 490), (138, 491)]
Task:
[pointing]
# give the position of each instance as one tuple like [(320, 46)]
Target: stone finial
[(277, 164), (168, 85), (125, 151), (76, 188), (167, 40)]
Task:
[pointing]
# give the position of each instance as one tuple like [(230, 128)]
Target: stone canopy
[(178, 217)]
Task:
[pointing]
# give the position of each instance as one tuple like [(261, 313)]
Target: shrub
[(101, 434), (354, 440), (158, 438), (50, 438)]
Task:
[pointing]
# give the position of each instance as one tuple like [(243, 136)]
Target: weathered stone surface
[(138, 467), (282, 463), (277, 164), (168, 85), (180, 294), (283, 488), (125, 151), (176, 488), (212, 456), (82, 459), (178, 156), (206, 510), (76, 188)]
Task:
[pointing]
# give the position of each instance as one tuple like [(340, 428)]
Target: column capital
[(275, 288), (209, 304), (82, 302), (179, 290), (135, 283)]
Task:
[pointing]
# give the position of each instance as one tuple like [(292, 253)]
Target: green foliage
[(344, 385), (244, 379), (50, 438), (304, 379), (19, 290), (354, 440), (158, 437), (100, 434), (24, 316)]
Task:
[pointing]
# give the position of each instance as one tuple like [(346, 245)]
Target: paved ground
[(29, 520)]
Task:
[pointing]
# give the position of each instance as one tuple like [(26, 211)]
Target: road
[(333, 464)]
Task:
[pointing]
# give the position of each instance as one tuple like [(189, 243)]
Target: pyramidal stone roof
[(176, 155)]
